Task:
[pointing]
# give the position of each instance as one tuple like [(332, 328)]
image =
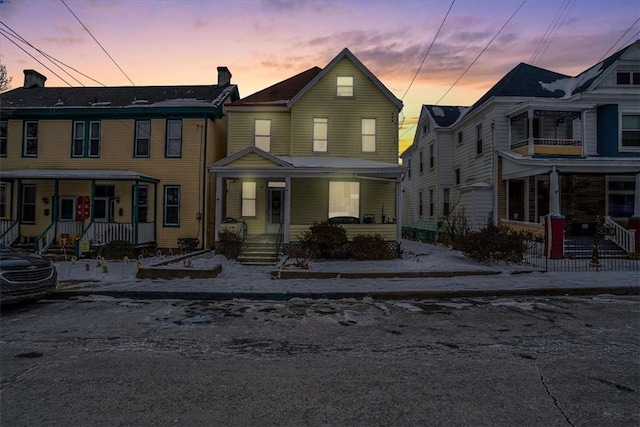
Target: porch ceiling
[(514, 166), (75, 174)]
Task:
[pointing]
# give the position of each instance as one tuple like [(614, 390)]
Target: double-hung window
[(262, 134), (420, 203), (368, 135), (446, 196), (431, 156), (344, 199), (630, 132), (628, 78), (30, 143), (248, 198), (620, 196), (3, 200), (320, 135), (431, 202), (344, 86), (142, 144), (479, 139), (86, 143), (29, 204), (4, 128), (174, 138), (457, 176), (421, 161), (143, 203), (172, 206)]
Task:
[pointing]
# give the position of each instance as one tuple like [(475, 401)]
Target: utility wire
[(555, 30), (49, 57), (546, 33), (36, 59), (624, 34), (96, 40), (482, 51), (428, 50)]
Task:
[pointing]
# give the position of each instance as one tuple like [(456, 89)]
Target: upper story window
[(320, 134), (425, 128), (630, 132), (173, 146), (4, 128), (421, 161), (30, 143), (628, 78), (409, 166), (86, 139), (446, 195), (262, 134), (344, 86), (431, 156), (457, 176), (459, 138), (431, 203), (172, 206), (368, 135), (142, 145), (479, 139)]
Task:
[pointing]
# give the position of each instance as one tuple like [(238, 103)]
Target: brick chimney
[(32, 78), (224, 76)]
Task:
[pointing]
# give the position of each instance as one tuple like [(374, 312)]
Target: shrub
[(369, 246), (325, 241), (494, 243), (300, 256), (118, 249), (188, 244), (228, 244)]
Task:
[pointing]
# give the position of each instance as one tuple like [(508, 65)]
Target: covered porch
[(77, 208), (286, 195)]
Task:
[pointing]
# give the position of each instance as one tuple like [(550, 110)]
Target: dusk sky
[(265, 41)]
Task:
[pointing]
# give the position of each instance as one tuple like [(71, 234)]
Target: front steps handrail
[(622, 237), (46, 239), (10, 233)]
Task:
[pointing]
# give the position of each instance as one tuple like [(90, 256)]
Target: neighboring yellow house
[(321, 145), (96, 164)]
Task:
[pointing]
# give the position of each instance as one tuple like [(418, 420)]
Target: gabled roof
[(246, 151), (444, 115), (346, 53), (589, 75), (280, 93), (524, 80), (118, 96)]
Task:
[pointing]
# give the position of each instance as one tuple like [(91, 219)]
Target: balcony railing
[(548, 146)]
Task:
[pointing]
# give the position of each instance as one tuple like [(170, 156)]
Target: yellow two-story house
[(88, 165), (319, 146)]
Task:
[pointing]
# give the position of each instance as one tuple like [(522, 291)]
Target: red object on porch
[(634, 224), (557, 236)]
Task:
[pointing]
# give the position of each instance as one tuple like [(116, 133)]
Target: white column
[(287, 209), (399, 209), (554, 192), (527, 182), (636, 204), (530, 146), (219, 195)]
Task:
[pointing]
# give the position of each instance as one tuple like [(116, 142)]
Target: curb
[(378, 295)]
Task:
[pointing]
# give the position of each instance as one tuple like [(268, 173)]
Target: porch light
[(45, 200), (117, 199)]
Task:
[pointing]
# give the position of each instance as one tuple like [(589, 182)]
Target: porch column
[(398, 209), (530, 147), (557, 220), (287, 209), (218, 216), (134, 213), (527, 182), (634, 221)]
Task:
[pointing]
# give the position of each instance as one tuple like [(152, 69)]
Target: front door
[(101, 209), (516, 200), (275, 211)]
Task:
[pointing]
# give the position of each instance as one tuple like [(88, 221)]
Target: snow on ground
[(121, 276)]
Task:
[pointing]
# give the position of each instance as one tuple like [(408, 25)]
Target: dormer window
[(344, 86), (628, 78)]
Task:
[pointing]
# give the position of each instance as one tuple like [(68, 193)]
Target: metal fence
[(594, 253)]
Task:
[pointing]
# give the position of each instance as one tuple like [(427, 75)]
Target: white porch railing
[(106, 232), (622, 237), (9, 232), (547, 142), (46, 239), (69, 229), (146, 232)]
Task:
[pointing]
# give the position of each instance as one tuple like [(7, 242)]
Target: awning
[(76, 174)]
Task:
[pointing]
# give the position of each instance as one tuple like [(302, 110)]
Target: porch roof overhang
[(515, 166), (77, 175), (547, 105)]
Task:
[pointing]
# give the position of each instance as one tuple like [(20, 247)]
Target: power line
[(96, 40), (54, 60), (624, 34), (36, 59), (544, 36), (429, 50), (556, 29), (482, 51)]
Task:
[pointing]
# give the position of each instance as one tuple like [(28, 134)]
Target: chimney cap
[(32, 78)]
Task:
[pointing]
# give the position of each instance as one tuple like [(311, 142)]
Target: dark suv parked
[(25, 276)]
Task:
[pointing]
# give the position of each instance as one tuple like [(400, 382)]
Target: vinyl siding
[(253, 160), (241, 130)]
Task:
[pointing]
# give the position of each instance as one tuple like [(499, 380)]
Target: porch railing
[(101, 233), (46, 239), (547, 142), (9, 232), (622, 237), (84, 241), (146, 232)]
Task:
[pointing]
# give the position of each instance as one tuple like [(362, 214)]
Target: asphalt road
[(97, 361)]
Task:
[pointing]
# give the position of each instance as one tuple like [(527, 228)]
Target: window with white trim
[(30, 142), (142, 145), (173, 146), (171, 206), (431, 202), (249, 198), (457, 176), (626, 78), (431, 156), (344, 86), (320, 134), (368, 135), (446, 197), (479, 139), (143, 203), (620, 196), (86, 145), (262, 134), (630, 131), (344, 199), (420, 203)]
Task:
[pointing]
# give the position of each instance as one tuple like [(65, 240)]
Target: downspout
[(494, 173), (155, 212)]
